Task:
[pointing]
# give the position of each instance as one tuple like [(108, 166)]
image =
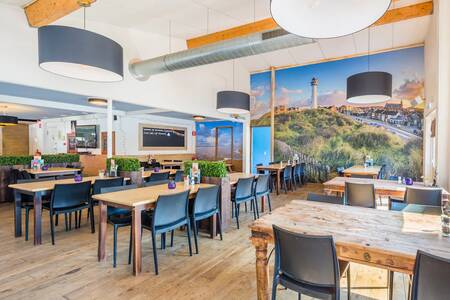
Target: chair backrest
[(179, 176), (324, 198), (382, 173), (99, 184), (368, 176), (431, 274), (70, 194), (244, 188), (170, 209), (115, 210), (158, 182), (423, 196), (206, 200), (287, 172), (298, 169), (159, 176), (262, 184), (360, 194), (24, 175), (306, 258)]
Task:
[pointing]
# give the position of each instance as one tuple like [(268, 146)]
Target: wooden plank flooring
[(223, 269)]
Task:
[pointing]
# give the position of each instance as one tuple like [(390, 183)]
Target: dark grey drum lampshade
[(369, 87), (81, 54), (233, 102), (8, 120)]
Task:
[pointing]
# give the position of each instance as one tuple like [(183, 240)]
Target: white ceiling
[(188, 19)]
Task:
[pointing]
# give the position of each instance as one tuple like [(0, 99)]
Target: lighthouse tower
[(314, 84)]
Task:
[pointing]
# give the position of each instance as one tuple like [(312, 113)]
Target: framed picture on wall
[(156, 137)]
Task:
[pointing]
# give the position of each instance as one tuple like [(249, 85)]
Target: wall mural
[(210, 134), (312, 116)]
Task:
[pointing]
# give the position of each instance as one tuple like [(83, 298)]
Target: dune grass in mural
[(339, 134)]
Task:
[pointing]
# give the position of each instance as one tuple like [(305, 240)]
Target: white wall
[(50, 136)]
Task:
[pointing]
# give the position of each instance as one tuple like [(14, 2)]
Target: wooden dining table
[(382, 187), (373, 237), (277, 169), (52, 172), (135, 200), (171, 164), (147, 174), (37, 190), (362, 170)]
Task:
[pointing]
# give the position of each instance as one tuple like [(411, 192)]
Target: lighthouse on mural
[(314, 84)]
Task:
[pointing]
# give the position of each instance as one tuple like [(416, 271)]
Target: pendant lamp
[(233, 102)]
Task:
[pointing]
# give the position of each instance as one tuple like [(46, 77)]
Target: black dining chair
[(308, 265), (262, 189), (171, 212), (324, 198), (118, 217), (179, 176), (286, 180), (157, 176), (415, 195), (360, 194), (243, 194), (298, 174), (206, 205), (382, 172), (68, 198), (100, 184), (156, 182), (430, 279), (27, 202)]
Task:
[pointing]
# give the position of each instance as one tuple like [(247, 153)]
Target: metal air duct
[(221, 51)]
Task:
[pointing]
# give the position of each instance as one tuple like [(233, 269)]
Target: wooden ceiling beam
[(391, 16), (44, 12)]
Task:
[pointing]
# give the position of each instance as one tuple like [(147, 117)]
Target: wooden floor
[(223, 269)]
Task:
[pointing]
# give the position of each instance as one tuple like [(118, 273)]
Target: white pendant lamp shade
[(327, 18), (80, 54)]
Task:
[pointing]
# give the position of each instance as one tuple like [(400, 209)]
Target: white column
[(109, 122)]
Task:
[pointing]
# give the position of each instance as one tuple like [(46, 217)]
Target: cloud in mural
[(290, 97), (259, 91), (258, 108), (410, 89), (336, 97)]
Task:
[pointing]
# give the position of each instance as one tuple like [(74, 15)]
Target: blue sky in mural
[(293, 87), (206, 138)]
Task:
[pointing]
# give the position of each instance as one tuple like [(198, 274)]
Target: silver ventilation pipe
[(231, 49)]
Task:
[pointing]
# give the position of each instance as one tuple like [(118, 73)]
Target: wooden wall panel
[(15, 140)]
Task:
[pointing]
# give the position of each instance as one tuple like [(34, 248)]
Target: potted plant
[(127, 167)]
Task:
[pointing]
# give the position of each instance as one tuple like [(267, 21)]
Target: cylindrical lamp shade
[(369, 87), (233, 102), (80, 54), (8, 120)]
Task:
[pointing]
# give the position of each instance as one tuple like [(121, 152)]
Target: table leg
[(17, 214), (136, 227), (278, 182), (262, 203), (262, 269), (37, 218), (213, 226), (102, 230)]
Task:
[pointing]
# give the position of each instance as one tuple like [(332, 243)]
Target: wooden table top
[(372, 233), (149, 173), (274, 167), (48, 185), (338, 184), (51, 171), (361, 170), (146, 195), (234, 177)]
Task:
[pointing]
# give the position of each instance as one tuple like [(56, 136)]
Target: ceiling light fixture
[(7, 120), (198, 118), (98, 101), (79, 53), (319, 19), (369, 87), (233, 102)]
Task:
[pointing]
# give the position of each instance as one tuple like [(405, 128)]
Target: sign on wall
[(152, 137)]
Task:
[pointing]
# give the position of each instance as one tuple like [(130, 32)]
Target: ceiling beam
[(391, 16), (44, 12)]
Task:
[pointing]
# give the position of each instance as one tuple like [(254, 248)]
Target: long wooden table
[(147, 174), (36, 190), (361, 170), (52, 172), (379, 238), (135, 200), (382, 187)]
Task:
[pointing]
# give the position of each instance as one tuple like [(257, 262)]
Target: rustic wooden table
[(379, 238), (52, 172), (36, 190), (361, 170), (135, 200)]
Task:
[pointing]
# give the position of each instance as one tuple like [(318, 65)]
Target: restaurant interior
[(240, 149)]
